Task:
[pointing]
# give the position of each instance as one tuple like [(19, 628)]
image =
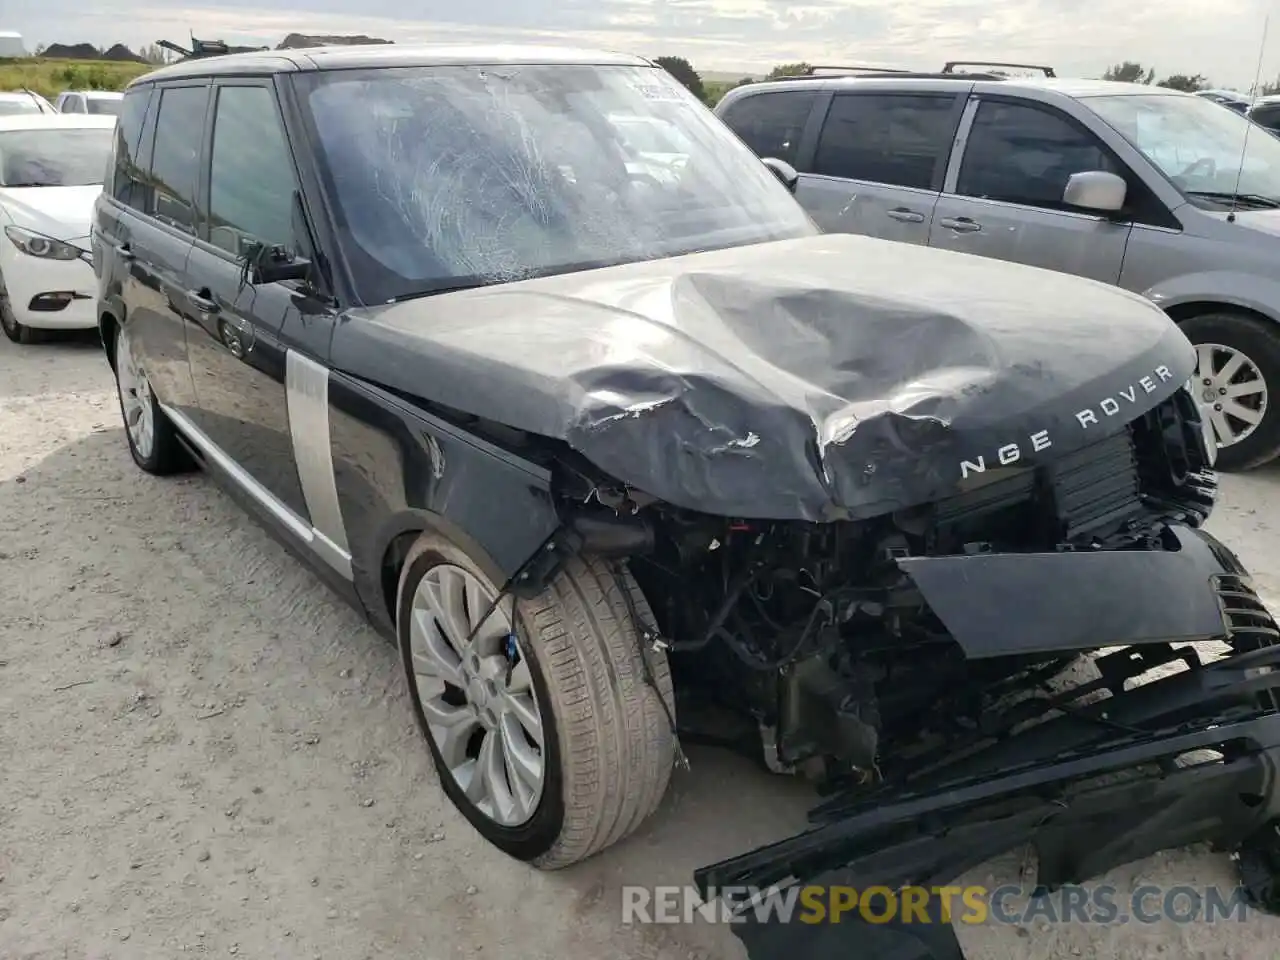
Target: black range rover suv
[(621, 450)]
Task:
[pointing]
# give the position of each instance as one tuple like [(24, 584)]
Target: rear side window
[(898, 139), (251, 180), (771, 124), (1020, 153), (175, 157), (125, 180)]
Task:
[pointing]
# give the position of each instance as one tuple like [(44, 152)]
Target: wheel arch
[(395, 540), (108, 324), (1186, 310)]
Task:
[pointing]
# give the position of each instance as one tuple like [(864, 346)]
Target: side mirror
[(274, 264), (1095, 190), (783, 171)]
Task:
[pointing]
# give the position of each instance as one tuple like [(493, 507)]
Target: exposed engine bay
[(820, 636)]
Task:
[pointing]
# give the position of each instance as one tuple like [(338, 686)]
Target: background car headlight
[(38, 245)]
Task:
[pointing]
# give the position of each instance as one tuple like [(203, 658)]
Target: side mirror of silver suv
[(783, 171), (1095, 190)]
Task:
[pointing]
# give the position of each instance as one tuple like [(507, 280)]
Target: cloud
[(1079, 37)]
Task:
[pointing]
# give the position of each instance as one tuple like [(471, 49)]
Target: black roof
[(389, 55)]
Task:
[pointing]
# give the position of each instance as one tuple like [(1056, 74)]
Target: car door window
[(771, 124), (127, 180), (175, 157), (251, 178), (1022, 153), (898, 139)]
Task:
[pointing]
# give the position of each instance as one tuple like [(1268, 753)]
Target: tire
[(155, 448), (607, 745), (1258, 341), (15, 331)]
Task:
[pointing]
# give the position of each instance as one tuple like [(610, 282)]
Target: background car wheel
[(546, 736), (14, 330), (1237, 364), (153, 440)]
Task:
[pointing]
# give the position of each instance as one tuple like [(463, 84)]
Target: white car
[(89, 101), (51, 170), (23, 102)]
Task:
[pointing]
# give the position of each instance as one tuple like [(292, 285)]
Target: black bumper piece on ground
[(1109, 771)]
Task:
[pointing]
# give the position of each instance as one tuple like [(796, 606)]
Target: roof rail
[(950, 66), (894, 72), (813, 70)]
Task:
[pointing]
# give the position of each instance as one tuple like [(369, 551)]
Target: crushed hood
[(63, 213), (820, 378)]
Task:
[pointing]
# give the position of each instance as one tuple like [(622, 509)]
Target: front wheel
[(15, 331), (1237, 363), (542, 727)]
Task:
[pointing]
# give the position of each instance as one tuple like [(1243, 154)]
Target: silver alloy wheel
[(135, 397), (477, 697), (1231, 392)]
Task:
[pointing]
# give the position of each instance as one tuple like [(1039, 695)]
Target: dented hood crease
[(819, 378)]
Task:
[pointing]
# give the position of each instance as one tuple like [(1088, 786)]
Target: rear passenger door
[(240, 333), (1003, 198), (879, 163), (151, 225)]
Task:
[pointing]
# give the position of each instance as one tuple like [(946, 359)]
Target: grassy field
[(51, 77)]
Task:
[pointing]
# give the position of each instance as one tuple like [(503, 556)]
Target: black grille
[(1096, 487)]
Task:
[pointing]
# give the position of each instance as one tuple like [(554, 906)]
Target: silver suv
[(1163, 193)]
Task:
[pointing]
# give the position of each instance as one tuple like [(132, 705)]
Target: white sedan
[(51, 170)]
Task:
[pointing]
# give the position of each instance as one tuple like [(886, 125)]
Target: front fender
[(400, 471)]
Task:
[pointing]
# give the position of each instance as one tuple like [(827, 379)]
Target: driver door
[(1003, 199)]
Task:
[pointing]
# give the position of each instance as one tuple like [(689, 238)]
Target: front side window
[(771, 124), (898, 139), (175, 158), (1210, 154), (53, 157), (251, 180), (453, 176), (1022, 153)]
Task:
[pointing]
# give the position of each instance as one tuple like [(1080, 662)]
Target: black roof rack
[(813, 70), (833, 72), (950, 66)]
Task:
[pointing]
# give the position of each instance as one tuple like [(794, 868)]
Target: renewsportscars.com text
[(1010, 904)]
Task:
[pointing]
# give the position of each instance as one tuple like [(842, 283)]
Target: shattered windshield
[(455, 176)]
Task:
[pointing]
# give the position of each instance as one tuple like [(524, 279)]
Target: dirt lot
[(203, 752)]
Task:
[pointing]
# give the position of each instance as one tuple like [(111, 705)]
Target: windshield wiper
[(1254, 199), (451, 288)]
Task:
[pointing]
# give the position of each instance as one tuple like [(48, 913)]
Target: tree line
[(710, 91)]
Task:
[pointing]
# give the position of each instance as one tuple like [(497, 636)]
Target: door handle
[(125, 252), (202, 300), (961, 224), (903, 215)]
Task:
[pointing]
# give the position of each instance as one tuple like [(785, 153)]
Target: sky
[(1221, 40)]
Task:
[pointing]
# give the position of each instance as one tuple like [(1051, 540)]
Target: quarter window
[(1019, 153), (251, 180), (175, 158), (898, 139), (771, 124)]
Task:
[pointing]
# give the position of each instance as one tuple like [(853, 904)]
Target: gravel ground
[(203, 751)]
